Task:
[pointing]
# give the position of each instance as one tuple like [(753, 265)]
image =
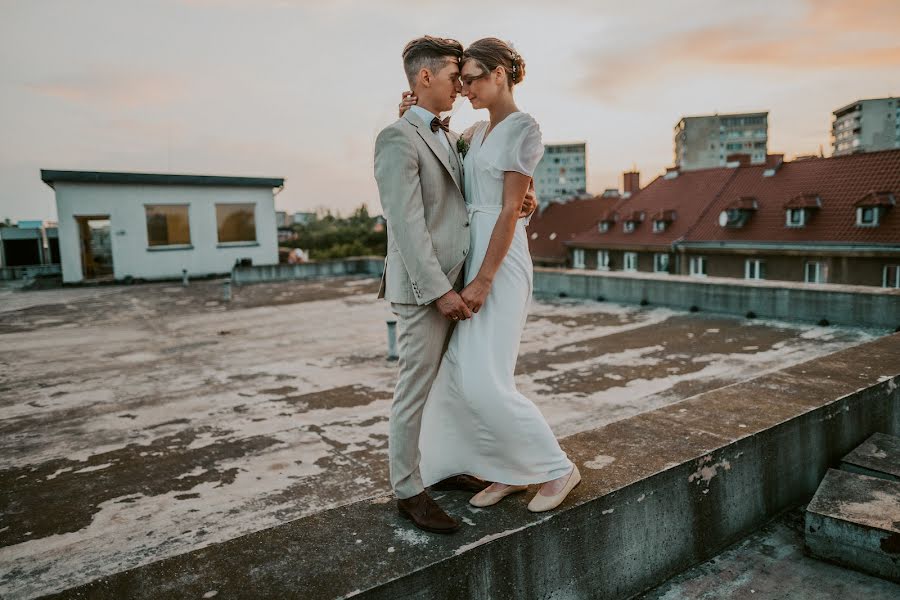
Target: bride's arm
[(515, 185)]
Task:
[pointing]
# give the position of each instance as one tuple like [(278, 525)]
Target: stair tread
[(880, 452), (868, 501)]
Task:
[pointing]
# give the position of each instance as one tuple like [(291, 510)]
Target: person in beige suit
[(420, 185)]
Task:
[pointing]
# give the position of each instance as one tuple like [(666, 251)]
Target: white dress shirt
[(427, 117)]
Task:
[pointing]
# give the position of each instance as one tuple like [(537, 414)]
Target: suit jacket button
[(467, 224)]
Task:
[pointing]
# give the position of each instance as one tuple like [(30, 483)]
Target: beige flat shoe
[(486, 498), (541, 503)]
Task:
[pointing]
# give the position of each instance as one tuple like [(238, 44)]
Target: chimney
[(632, 181)]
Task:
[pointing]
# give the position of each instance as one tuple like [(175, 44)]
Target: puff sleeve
[(523, 147)]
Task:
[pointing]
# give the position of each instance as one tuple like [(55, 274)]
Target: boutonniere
[(462, 146)]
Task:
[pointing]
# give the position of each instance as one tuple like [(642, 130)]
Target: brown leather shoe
[(425, 513), (465, 483)]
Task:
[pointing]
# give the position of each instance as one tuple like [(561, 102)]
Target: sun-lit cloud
[(826, 36)]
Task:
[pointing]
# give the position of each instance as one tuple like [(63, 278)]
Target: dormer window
[(662, 219), (799, 210), (738, 212), (632, 220), (796, 217), (607, 219), (867, 216), (871, 208)]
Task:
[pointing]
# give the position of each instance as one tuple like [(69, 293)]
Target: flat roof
[(51, 176)]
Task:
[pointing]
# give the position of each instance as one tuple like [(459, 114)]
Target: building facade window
[(754, 269), (816, 272), (630, 261), (578, 258), (698, 266), (659, 226), (660, 262), (167, 225), (796, 217), (867, 216), (628, 226), (604, 227), (891, 276), (603, 260), (236, 222)]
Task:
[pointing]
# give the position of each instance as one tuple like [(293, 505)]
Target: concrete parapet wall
[(363, 265), (661, 491), (857, 306)]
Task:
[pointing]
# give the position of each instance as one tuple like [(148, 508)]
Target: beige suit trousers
[(423, 334)]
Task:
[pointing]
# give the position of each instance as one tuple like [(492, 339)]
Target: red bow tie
[(438, 124)]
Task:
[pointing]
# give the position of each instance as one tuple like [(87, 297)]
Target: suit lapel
[(460, 178), (427, 136)]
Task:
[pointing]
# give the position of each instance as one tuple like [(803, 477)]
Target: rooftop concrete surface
[(142, 422), (770, 564), (683, 476)]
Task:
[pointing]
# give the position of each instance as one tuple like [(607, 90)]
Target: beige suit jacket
[(420, 185)]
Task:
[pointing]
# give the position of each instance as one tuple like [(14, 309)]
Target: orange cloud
[(830, 35)]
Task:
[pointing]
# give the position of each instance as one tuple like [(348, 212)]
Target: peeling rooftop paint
[(230, 419)]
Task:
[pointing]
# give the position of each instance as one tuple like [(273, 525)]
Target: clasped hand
[(461, 306), (475, 294)]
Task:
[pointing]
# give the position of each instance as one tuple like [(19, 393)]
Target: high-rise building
[(866, 126), (562, 172), (707, 141)]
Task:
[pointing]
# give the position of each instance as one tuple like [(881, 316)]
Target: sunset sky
[(299, 89)]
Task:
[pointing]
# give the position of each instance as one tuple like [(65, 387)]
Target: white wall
[(128, 228)]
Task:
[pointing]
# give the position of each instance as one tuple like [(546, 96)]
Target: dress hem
[(505, 479)]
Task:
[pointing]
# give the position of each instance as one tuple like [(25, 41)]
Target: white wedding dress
[(475, 421)]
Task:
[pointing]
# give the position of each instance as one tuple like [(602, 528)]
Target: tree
[(331, 236)]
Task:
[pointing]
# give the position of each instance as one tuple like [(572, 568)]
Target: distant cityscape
[(729, 208), (726, 208)]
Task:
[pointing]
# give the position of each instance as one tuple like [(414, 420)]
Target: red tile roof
[(562, 221), (682, 199), (830, 187), (808, 200), (838, 182)]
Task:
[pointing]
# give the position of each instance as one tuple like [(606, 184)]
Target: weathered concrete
[(770, 564), (878, 456), (146, 421), (364, 265), (662, 491), (862, 306), (854, 520)]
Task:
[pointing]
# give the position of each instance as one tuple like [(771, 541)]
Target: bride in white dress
[(475, 421)]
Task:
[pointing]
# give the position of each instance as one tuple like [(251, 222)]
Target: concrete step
[(854, 520), (878, 456)]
